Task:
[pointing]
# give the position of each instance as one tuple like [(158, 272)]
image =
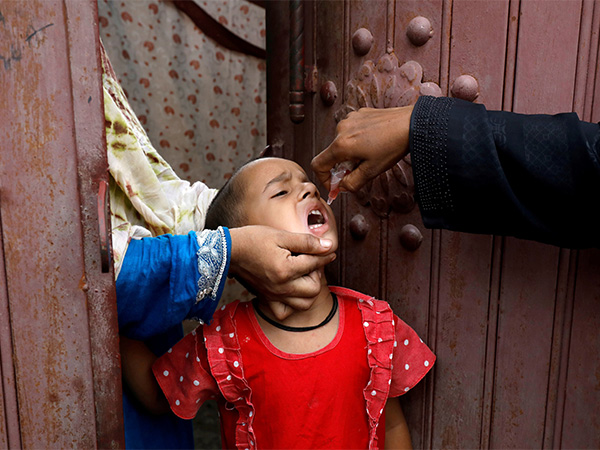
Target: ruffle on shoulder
[(378, 325), (397, 357), (183, 378), (225, 357)]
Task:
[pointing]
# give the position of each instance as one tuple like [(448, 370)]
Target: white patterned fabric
[(242, 18), (202, 105)]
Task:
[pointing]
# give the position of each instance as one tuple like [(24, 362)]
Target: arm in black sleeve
[(530, 176)]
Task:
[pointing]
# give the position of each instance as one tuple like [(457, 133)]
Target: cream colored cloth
[(147, 198)]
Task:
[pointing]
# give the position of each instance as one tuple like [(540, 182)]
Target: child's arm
[(136, 365), (397, 435)]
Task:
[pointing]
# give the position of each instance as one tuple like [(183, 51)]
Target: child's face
[(279, 194)]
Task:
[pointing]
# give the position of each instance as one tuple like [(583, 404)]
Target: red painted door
[(514, 323), (58, 331)]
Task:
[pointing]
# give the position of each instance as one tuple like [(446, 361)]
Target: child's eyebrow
[(285, 176)]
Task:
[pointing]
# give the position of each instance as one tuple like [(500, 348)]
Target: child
[(326, 377)]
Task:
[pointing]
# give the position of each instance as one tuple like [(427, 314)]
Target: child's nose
[(310, 190)]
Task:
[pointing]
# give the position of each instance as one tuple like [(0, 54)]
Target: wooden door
[(58, 329), (514, 323)]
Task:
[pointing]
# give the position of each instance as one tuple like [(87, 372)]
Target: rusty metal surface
[(88, 107), (593, 82), (514, 323), (9, 418), (61, 310)]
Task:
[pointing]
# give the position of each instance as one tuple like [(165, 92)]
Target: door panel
[(9, 418), (547, 61), (513, 322), (523, 343), (580, 372), (465, 270), (429, 55), (59, 329), (478, 48)]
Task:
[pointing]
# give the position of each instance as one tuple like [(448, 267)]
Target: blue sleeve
[(158, 284), (495, 172)]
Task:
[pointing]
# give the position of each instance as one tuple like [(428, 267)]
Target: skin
[(136, 368), (280, 264), (374, 139), (397, 435)]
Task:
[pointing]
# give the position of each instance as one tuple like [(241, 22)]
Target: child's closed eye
[(280, 193)]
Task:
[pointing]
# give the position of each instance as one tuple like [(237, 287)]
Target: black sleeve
[(530, 176)]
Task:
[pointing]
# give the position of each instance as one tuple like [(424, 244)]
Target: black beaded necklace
[(281, 326)]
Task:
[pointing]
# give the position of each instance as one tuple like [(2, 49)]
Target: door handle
[(296, 61), (103, 228)]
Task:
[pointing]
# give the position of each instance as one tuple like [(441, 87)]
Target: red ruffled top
[(208, 363)]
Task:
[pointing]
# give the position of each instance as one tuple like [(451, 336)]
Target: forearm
[(397, 435), (166, 279), (504, 173), (136, 366)]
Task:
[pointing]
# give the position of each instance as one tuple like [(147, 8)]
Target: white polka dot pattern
[(411, 359)]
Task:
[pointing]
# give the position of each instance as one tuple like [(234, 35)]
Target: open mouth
[(315, 219)]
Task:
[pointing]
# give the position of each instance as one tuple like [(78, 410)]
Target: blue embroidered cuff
[(214, 251), (227, 258)]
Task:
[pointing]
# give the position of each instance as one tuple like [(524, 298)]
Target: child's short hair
[(226, 209)]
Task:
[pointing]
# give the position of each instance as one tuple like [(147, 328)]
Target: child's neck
[(320, 306), (321, 331)]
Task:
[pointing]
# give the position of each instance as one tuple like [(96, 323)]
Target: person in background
[(168, 268), (325, 377), (531, 176)]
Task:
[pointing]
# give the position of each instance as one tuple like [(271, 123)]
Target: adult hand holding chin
[(279, 264)]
